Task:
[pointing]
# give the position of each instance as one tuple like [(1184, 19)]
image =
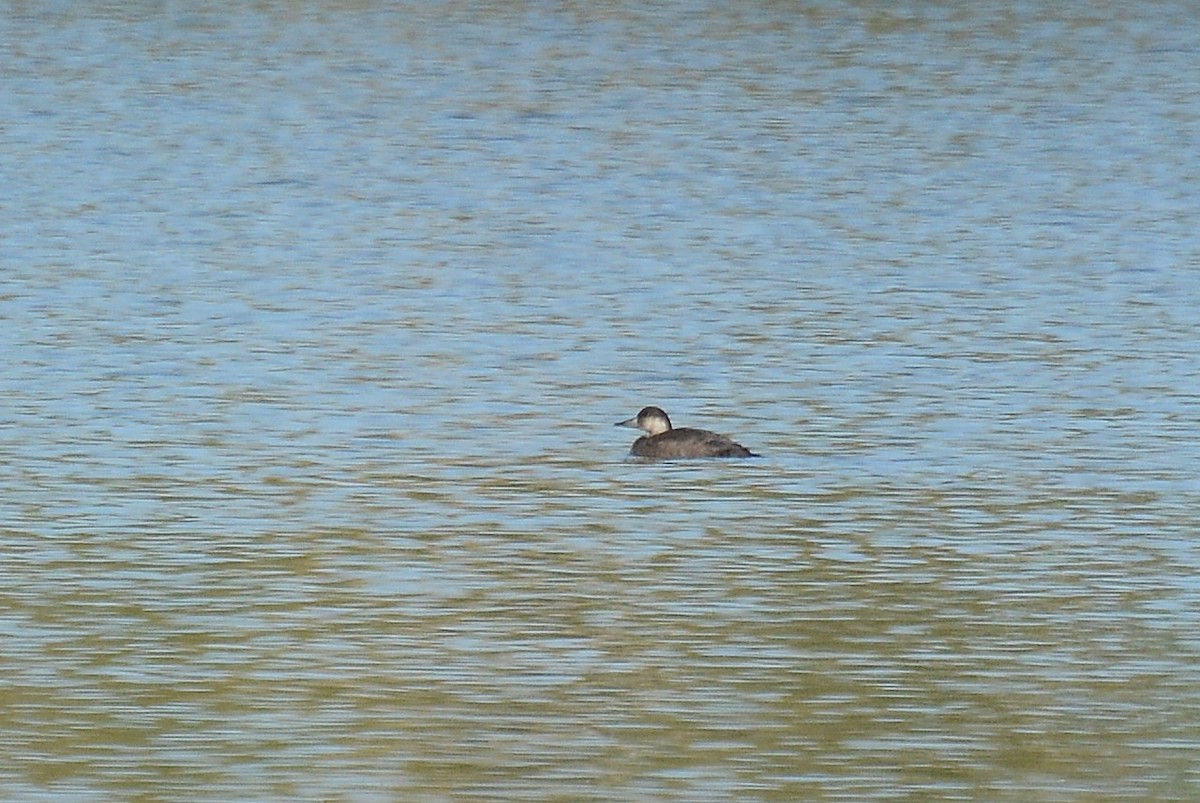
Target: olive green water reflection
[(788, 660)]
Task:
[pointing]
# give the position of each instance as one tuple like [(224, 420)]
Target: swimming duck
[(661, 442)]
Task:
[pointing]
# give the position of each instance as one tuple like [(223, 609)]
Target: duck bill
[(632, 422)]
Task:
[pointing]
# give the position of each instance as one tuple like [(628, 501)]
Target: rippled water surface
[(316, 319)]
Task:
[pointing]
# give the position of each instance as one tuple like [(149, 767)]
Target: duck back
[(685, 442)]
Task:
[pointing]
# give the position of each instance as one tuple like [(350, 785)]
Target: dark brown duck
[(663, 442)]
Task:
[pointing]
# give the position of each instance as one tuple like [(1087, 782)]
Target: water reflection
[(318, 321)]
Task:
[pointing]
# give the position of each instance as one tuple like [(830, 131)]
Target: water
[(316, 319)]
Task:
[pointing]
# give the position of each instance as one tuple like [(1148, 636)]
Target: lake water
[(316, 318)]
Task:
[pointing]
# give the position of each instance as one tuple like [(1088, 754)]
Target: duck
[(664, 442)]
